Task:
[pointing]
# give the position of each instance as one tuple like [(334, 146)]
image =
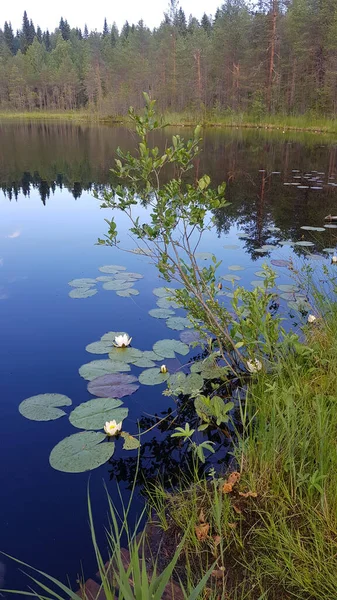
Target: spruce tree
[(9, 37)]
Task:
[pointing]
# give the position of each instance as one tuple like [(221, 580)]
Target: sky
[(47, 13)]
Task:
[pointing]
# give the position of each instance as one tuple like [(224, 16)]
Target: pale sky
[(47, 13)]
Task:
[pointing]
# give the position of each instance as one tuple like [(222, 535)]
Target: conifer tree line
[(274, 56)]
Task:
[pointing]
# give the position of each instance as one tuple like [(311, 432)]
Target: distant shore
[(303, 123)]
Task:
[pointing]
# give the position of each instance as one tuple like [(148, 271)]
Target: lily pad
[(329, 250), (260, 250), (189, 385), (273, 229), (101, 347), (268, 247), (332, 226), (153, 377), (115, 285), (178, 323), (110, 336), (204, 255), (128, 355), (236, 268), (96, 368), (94, 413), (190, 337), (231, 247), (304, 244), (105, 278), (288, 287), (168, 348), (280, 263), (257, 283), (260, 273), (144, 363), (44, 407), (167, 303), (231, 277), (81, 452), (309, 228), (82, 292), (86, 282), (127, 293), (114, 385), (162, 292), (130, 442), (243, 236), (161, 313), (286, 243), (111, 269), (128, 276)]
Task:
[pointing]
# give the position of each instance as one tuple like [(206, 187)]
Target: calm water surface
[(48, 228)]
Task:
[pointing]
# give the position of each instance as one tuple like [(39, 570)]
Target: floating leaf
[(114, 385), (81, 452), (128, 355), (286, 243), (281, 263), (166, 303), (111, 269), (167, 348), (111, 335), (287, 296), (204, 255), (273, 229), (153, 377), (191, 336), (96, 368), (162, 292), (82, 292), (189, 385), (106, 278), (144, 363), (231, 247), (44, 407), (236, 268), (161, 313), (309, 228), (304, 243), (130, 442), (128, 276), (329, 250), (330, 226), (86, 282), (243, 236), (260, 250), (268, 247), (257, 283), (127, 293), (260, 273), (101, 347), (288, 287), (178, 323), (94, 413), (116, 285), (231, 277)]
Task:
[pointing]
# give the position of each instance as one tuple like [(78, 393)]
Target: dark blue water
[(48, 228)]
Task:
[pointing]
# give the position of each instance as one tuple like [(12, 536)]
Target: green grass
[(282, 543)]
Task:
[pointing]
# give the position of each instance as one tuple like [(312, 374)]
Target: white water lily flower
[(163, 369), (112, 427), (311, 318), (334, 259), (122, 341), (254, 366)]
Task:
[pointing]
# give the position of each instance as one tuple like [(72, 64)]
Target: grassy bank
[(272, 526), (185, 119)]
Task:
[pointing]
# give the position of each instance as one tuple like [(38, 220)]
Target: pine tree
[(85, 32), (206, 24), (9, 37), (64, 28), (105, 28), (46, 40), (113, 35), (25, 33), (179, 21), (39, 34)]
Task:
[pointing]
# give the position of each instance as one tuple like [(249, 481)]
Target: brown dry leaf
[(216, 540), (202, 516), (218, 572), (237, 509), (227, 488), (234, 478), (201, 531), (232, 525), (248, 494)]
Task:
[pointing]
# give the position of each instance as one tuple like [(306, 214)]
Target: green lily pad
[(260, 273), (125, 276), (287, 296), (153, 377), (81, 452), (44, 407), (286, 243), (111, 269), (304, 244), (144, 363), (82, 292), (331, 226), (329, 250), (106, 278), (281, 263), (113, 385), (268, 247), (190, 337), (260, 250), (243, 236), (128, 355), (168, 348), (178, 323), (95, 413), (231, 277), (288, 287), (231, 247), (189, 385), (101, 347), (236, 268), (166, 303), (117, 285), (161, 313), (130, 442), (110, 336), (162, 292), (309, 228), (96, 368), (204, 255), (208, 369), (127, 293), (86, 282), (273, 229), (257, 283)]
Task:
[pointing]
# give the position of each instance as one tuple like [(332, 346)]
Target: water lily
[(311, 318), (112, 427), (163, 369), (254, 366), (334, 259), (122, 341)]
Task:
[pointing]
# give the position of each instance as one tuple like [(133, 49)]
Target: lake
[(50, 221)]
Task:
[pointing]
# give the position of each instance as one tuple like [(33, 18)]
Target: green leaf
[(284, 287), (44, 407), (161, 313), (186, 384), (82, 292), (130, 442), (178, 323), (230, 277), (96, 368), (236, 268), (94, 413), (168, 348), (162, 292), (166, 303), (117, 285), (153, 377), (204, 255), (101, 347), (304, 244), (129, 355), (113, 385), (86, 282), (111, 269), (81, 452)]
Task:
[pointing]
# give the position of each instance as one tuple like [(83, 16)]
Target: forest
[(275, 57)]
